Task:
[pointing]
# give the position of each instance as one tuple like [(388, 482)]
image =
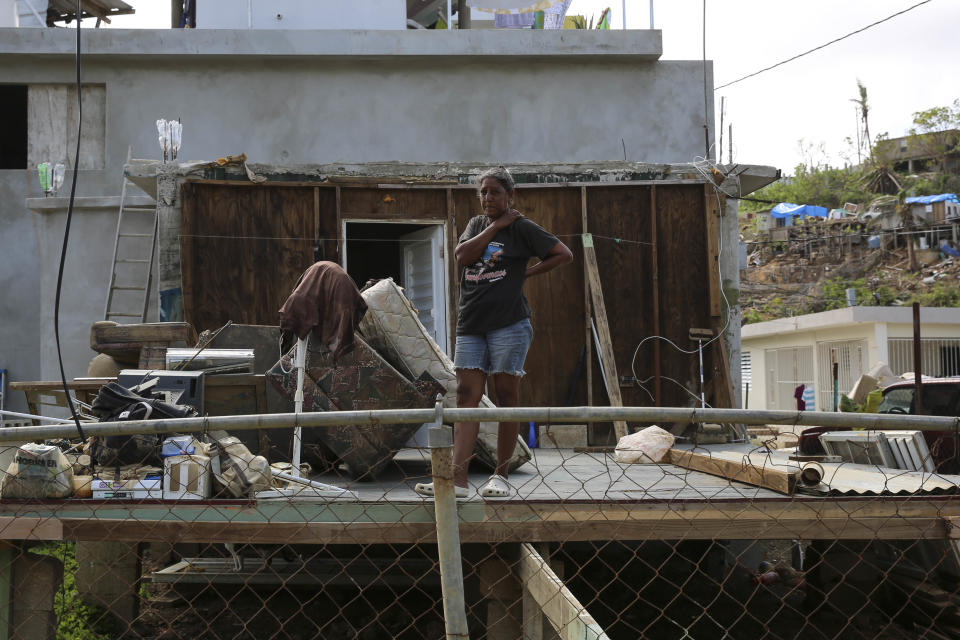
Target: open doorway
[(410, 253)]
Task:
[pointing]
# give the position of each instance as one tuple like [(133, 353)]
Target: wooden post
[(339, 254), (917, 362), (440, 440), (603, 333), (6, 593), (319, 252), (711, 211), (655, 279), (587, 333), (453, 273)]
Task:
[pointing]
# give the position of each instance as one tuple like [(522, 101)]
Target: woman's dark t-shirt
[(491, 289)]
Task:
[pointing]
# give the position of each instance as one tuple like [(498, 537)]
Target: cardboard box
[(187, 477), (146, 489)]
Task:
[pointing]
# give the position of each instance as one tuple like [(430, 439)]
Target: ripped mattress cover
[(391, 326)]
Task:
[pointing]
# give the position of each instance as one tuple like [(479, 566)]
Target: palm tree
[(864, 111)]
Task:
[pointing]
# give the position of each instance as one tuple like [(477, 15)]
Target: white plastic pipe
[(300, 362), (16, 414)]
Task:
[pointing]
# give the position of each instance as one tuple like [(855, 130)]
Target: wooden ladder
[(124, 254)]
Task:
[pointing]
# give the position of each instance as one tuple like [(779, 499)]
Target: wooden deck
[(562, 496)]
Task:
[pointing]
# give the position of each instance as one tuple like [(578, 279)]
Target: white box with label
[(187, 477), (145, 489)]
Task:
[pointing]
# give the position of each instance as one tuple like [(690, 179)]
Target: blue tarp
[(943, 197), (788, 209)]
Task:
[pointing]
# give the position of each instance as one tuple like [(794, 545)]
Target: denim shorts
[(499, 351)]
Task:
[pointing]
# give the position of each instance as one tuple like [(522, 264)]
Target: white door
[(424, 279)]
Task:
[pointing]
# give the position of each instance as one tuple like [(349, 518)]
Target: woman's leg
[(508, 395), (470, 384)]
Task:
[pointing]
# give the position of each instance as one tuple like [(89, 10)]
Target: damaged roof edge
[(734, 180)]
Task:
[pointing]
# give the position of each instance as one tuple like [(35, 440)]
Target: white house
[(779, 355)]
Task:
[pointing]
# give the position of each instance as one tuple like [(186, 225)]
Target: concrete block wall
[(312, 97)]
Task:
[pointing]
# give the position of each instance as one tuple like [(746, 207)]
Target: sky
[(907, 64)]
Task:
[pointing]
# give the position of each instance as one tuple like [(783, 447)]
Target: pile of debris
[(347, 351)]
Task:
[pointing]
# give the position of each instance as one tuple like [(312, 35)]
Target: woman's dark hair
[(500, 174)]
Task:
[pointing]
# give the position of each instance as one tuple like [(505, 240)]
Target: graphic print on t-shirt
[(489, 267)]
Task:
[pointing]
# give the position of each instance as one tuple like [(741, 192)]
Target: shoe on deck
[(426, 489), (496, 487)]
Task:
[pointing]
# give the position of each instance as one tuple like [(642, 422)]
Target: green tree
[(824, 186), (936, 133)]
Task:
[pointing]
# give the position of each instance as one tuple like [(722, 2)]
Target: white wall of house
[(302, 14), (871, 327)]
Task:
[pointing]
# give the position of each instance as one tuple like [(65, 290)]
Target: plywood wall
[(653, 247)]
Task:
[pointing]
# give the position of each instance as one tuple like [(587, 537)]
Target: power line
[(826, 44)]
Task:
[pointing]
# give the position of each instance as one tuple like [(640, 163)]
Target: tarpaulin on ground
[(788, 209), (943, 197)]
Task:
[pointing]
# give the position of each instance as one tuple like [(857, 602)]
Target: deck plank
[(561, 496)]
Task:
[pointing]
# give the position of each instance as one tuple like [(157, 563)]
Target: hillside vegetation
[(799, 276)]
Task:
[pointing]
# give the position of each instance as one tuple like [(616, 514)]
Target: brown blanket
[(326, 301)]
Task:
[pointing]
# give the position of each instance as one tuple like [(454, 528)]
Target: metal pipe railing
[(548, 415)]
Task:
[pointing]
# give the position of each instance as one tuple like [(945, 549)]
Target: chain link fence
[(726, 540)]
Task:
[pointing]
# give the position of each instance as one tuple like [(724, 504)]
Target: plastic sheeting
[(788, 209), (943, 197)]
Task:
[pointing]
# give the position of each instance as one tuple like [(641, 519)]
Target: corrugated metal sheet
[(843, 478), (866, 480)]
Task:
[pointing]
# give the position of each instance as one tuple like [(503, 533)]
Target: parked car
[(941, 397)]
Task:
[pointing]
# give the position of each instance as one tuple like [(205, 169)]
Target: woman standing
[(493, 321)]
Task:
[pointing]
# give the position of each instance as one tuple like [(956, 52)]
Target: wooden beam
[(566, 615), (18, 528), (332, 181), (588, 337), (317, 243), (453, 274), (724, 390), (739, 470), (748, 525), (339, 256), (798, 517), (603, 332), (711, 212), (655, 290)]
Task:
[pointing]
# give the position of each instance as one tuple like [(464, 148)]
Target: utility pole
[(720, 152), (856, 117), (730, 144), (463, 15)]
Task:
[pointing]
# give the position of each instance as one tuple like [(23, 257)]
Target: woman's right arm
[(469, 251)]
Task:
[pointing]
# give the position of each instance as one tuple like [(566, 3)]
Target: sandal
[(496, 487), (426, 489)]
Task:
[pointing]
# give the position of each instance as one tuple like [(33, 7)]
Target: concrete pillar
[(499, 586), (107, 576), (463, 15), (36, 579)]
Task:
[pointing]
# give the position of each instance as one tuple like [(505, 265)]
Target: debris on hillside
[(808, 267)]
